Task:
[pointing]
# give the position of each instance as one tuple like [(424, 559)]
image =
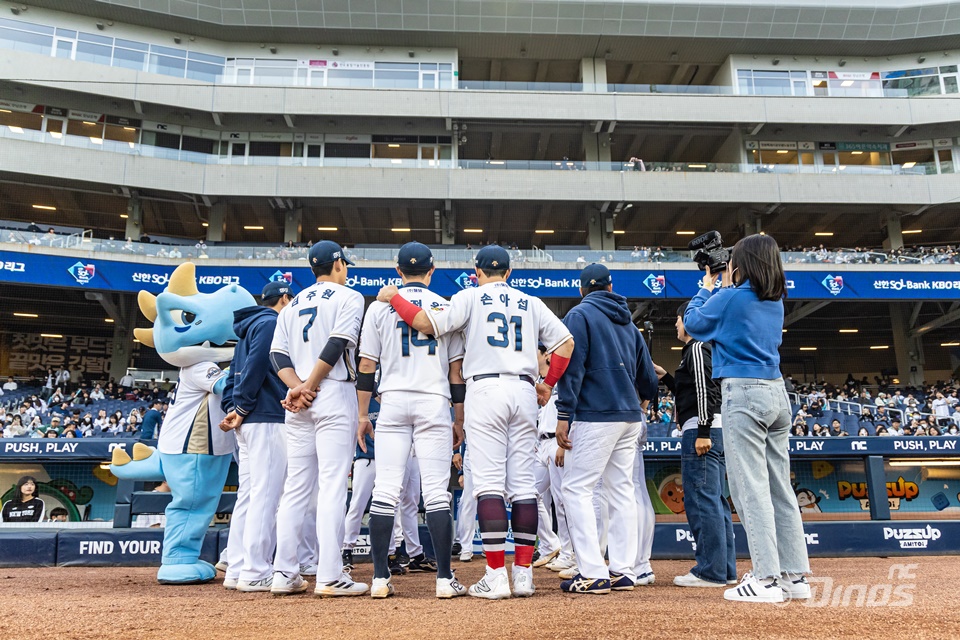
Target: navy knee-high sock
[(525, 519), (492, 513), (381, 532), (440, 525)]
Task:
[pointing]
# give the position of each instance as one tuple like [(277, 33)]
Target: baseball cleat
[(466, 556), (753, 589), (381, 588), (344, 586), (645, 579), (222, 566), (403, 558), (569, 573), (252, 586), (579, 584), (450, 588), (794, 586), (523, 582), (230, 584), (560, 563), (691, 580), (308, 569), (620, 582), (396, 569), (546, 559), (457, 549), (347, 556), (422, 564), (494, 585), (286, 584)]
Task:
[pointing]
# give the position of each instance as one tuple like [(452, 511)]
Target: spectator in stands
[(113, 426), (862, 432), (803, 412), (128, 246), (57, 397), (865, 414), (127, 381), (62, 378), (15, 427), (76, 378), (819, 432), (881, 417), (933, 431), (175, 253), (151, 421), (956, 415), (87, 427), (34, 228), (952, 430), (799, 430), (836, 431), (133, 420), (25, 505), (70, 431), (10, 385), (895, 428), (102, 421), (882, 431), (941, 409), (816, 409), (676, 433), (59, 514), (51, 433), (97, 394)]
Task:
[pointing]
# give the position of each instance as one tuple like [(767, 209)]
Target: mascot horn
[(192, 331)]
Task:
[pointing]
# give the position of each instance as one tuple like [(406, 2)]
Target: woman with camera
[(744, 321)]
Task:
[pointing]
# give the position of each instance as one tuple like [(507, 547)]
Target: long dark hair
[(757, 258), (18, 495)]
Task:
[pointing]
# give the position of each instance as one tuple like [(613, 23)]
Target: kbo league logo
[(82, 273), (655, 283), (282, 276), (466, 281), (833, 284)]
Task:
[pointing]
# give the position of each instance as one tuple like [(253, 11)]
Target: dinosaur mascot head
[(192, 331)]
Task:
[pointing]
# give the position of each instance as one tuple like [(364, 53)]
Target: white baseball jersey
[(547, 419), (409, 360), (321, 311), (501, 328), (192, 421)]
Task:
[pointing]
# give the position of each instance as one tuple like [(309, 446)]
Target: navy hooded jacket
[(610, 372), (257, 389)]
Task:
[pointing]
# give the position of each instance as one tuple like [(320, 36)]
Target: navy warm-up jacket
[(257, 389)]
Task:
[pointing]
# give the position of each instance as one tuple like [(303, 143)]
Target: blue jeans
[(708, 512)]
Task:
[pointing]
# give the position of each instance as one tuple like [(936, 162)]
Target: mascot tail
[(144, 466)]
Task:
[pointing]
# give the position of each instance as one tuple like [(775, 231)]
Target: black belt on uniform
[(548, 436), (487, 376)]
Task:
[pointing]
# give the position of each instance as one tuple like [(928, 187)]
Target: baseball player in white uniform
[(467, 513), (364, 471), (502, 327), (313, 353), (419, 376)]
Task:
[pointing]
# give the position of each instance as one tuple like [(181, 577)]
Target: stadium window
[(917, 160), (94, 48), (167, 61), (200, 145), (19, 120), (25, 36), (865, 158), (399, 151), (160, 139), (912, 82), (204, 67), (346, 150), (349, 78), (269, 149), (85, 128), (128, 54), (275, 72), (120, 134), (945, 157)]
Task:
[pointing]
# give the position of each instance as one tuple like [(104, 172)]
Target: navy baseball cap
[(327, 251), (276, 289), (415, 257), (595, 275), (493, 258)]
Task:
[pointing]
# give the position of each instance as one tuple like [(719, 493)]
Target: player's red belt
[(487, 376)]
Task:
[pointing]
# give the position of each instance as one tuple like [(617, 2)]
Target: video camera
[(710, 252)]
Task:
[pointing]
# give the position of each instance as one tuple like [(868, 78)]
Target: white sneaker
[(560, 563), (450, 588), (284, 585), (569, 573), (753, 589), (466, 556), (795, 586), (546, 559), (221, 566), (494, 585), (645, 579), (230, 584), (251, 586), (381, 588), (344, 586), (522, 581), (691, 580), (308, 569)]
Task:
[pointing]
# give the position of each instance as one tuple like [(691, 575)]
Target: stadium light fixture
[(619, 232), (253, 228), (88, 123), (108, 320), (909, 165), (846, 83), (686, 233), (393, 146), (824, 234), (783, 151), (926, 463), (204, 224), (26, 315), (906, 231), (50, 335), (473, 230), (880, 347), (942, 344), (849, 330), (45, 207), (676, 348), (856, 153), (808, 348), (783, 331), (327, 229), (400, 229), (5, 111), (544, 231), (696, 166), (124, 216)]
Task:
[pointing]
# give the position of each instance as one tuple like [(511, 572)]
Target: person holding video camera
[(744, 321)]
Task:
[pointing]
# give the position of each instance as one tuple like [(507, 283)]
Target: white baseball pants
[(501, 426), (548, 540), (406, 524), (646, 518), (261, 453), (467, 513), (607, 450), (320, 446), (307, 553), (364, 471)]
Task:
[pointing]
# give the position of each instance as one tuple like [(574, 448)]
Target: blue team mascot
[(192, 331)]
